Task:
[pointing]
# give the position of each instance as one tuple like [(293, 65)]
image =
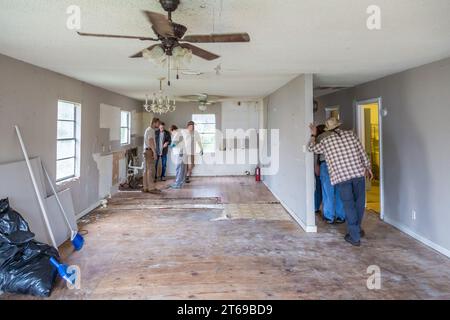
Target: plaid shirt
[(344, 154)]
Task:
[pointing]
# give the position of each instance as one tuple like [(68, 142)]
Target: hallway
[(228, 238)]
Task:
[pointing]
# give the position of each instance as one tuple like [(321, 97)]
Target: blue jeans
[(353, 194), (163, 164), (317, 194), (180, 171), (333, 207)]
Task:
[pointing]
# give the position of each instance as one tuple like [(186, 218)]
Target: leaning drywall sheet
[(60, 229), (17, 186)]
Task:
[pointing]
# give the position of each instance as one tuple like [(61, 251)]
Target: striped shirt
[(344, 154)]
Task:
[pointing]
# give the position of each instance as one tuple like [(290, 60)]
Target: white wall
[(289, 110), (416, 151), (229, 115)]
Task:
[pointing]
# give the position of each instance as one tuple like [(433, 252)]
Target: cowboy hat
[(332, 124)]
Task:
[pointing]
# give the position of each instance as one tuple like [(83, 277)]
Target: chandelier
[(160, 103)]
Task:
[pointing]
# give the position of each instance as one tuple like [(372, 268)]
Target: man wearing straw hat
[(348, 165)]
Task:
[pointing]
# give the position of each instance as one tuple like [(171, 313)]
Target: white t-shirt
[(192, 142), (177, 140), (149, 134)]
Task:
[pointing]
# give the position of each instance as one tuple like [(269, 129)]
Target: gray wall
[(29, 97), (416, 135), (289, 109)]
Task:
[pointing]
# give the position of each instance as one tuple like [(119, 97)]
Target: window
[(67, 141), (205, 125), (125, 124)]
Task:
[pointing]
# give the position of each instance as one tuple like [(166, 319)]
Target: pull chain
[(168, 73)]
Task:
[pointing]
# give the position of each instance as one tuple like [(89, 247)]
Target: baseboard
[(88, 210), (308, 229), (418, 237)]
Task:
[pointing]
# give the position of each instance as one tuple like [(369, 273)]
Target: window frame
[(202, 134), (74, 138), (128, 127)]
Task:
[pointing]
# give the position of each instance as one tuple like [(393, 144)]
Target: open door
[(369, 132)]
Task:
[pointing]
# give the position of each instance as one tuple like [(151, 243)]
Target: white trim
[(418, 237), (88, 210), (308, 229), (357, 126)]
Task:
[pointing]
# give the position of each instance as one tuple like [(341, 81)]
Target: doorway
[(368, 125), (333, 112)]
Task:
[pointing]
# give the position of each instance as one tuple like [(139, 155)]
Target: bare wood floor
[(211, 240)]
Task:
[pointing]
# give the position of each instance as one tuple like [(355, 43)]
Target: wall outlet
[(414, 215)]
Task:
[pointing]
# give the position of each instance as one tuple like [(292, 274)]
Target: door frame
[(357, 127)]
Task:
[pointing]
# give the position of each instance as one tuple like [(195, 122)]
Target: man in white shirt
[(150, 157), (192, 139)]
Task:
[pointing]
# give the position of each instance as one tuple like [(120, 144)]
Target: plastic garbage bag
[(24, 263), (13, 228)]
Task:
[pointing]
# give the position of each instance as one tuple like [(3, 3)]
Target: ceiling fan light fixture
[(157, 55)]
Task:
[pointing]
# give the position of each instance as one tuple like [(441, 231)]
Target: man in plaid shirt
[(348, 165)]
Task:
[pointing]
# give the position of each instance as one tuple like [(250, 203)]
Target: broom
[(62, 271), (75, 237)]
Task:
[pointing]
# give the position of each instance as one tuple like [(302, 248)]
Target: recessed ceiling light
[(191, 73)]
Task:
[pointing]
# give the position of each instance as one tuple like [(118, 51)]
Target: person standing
[(192, 140), (348, 165), (333, 208), (318, 197), (150, 157), (177, 151), (163, 140)]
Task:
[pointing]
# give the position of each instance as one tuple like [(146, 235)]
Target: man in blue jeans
[(163, 140), (333, 208), (348, 165)]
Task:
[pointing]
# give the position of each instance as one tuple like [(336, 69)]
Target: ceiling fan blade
[(115, 36), (211, 38), (140, 53), (200, 52), (161, 25)]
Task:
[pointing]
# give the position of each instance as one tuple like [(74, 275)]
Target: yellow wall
[(373, 107)]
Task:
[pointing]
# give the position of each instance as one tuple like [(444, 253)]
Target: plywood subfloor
[(257, 252)]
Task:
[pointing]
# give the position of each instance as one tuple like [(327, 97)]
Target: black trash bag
[(25, 266), (13, 227)]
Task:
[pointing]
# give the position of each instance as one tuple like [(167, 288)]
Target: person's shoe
[(155, 191), (187, 180), (163, 178), (174, 186), (340, 221), (362, 233), (349, 239), (329, 221), (144, 190), (155, 180)]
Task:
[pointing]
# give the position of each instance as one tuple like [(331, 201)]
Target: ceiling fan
[(172, 35), (204, 100)]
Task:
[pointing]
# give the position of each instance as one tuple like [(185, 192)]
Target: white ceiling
[(289, 37)]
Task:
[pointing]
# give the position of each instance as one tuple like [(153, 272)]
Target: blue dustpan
[(77, 240)]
